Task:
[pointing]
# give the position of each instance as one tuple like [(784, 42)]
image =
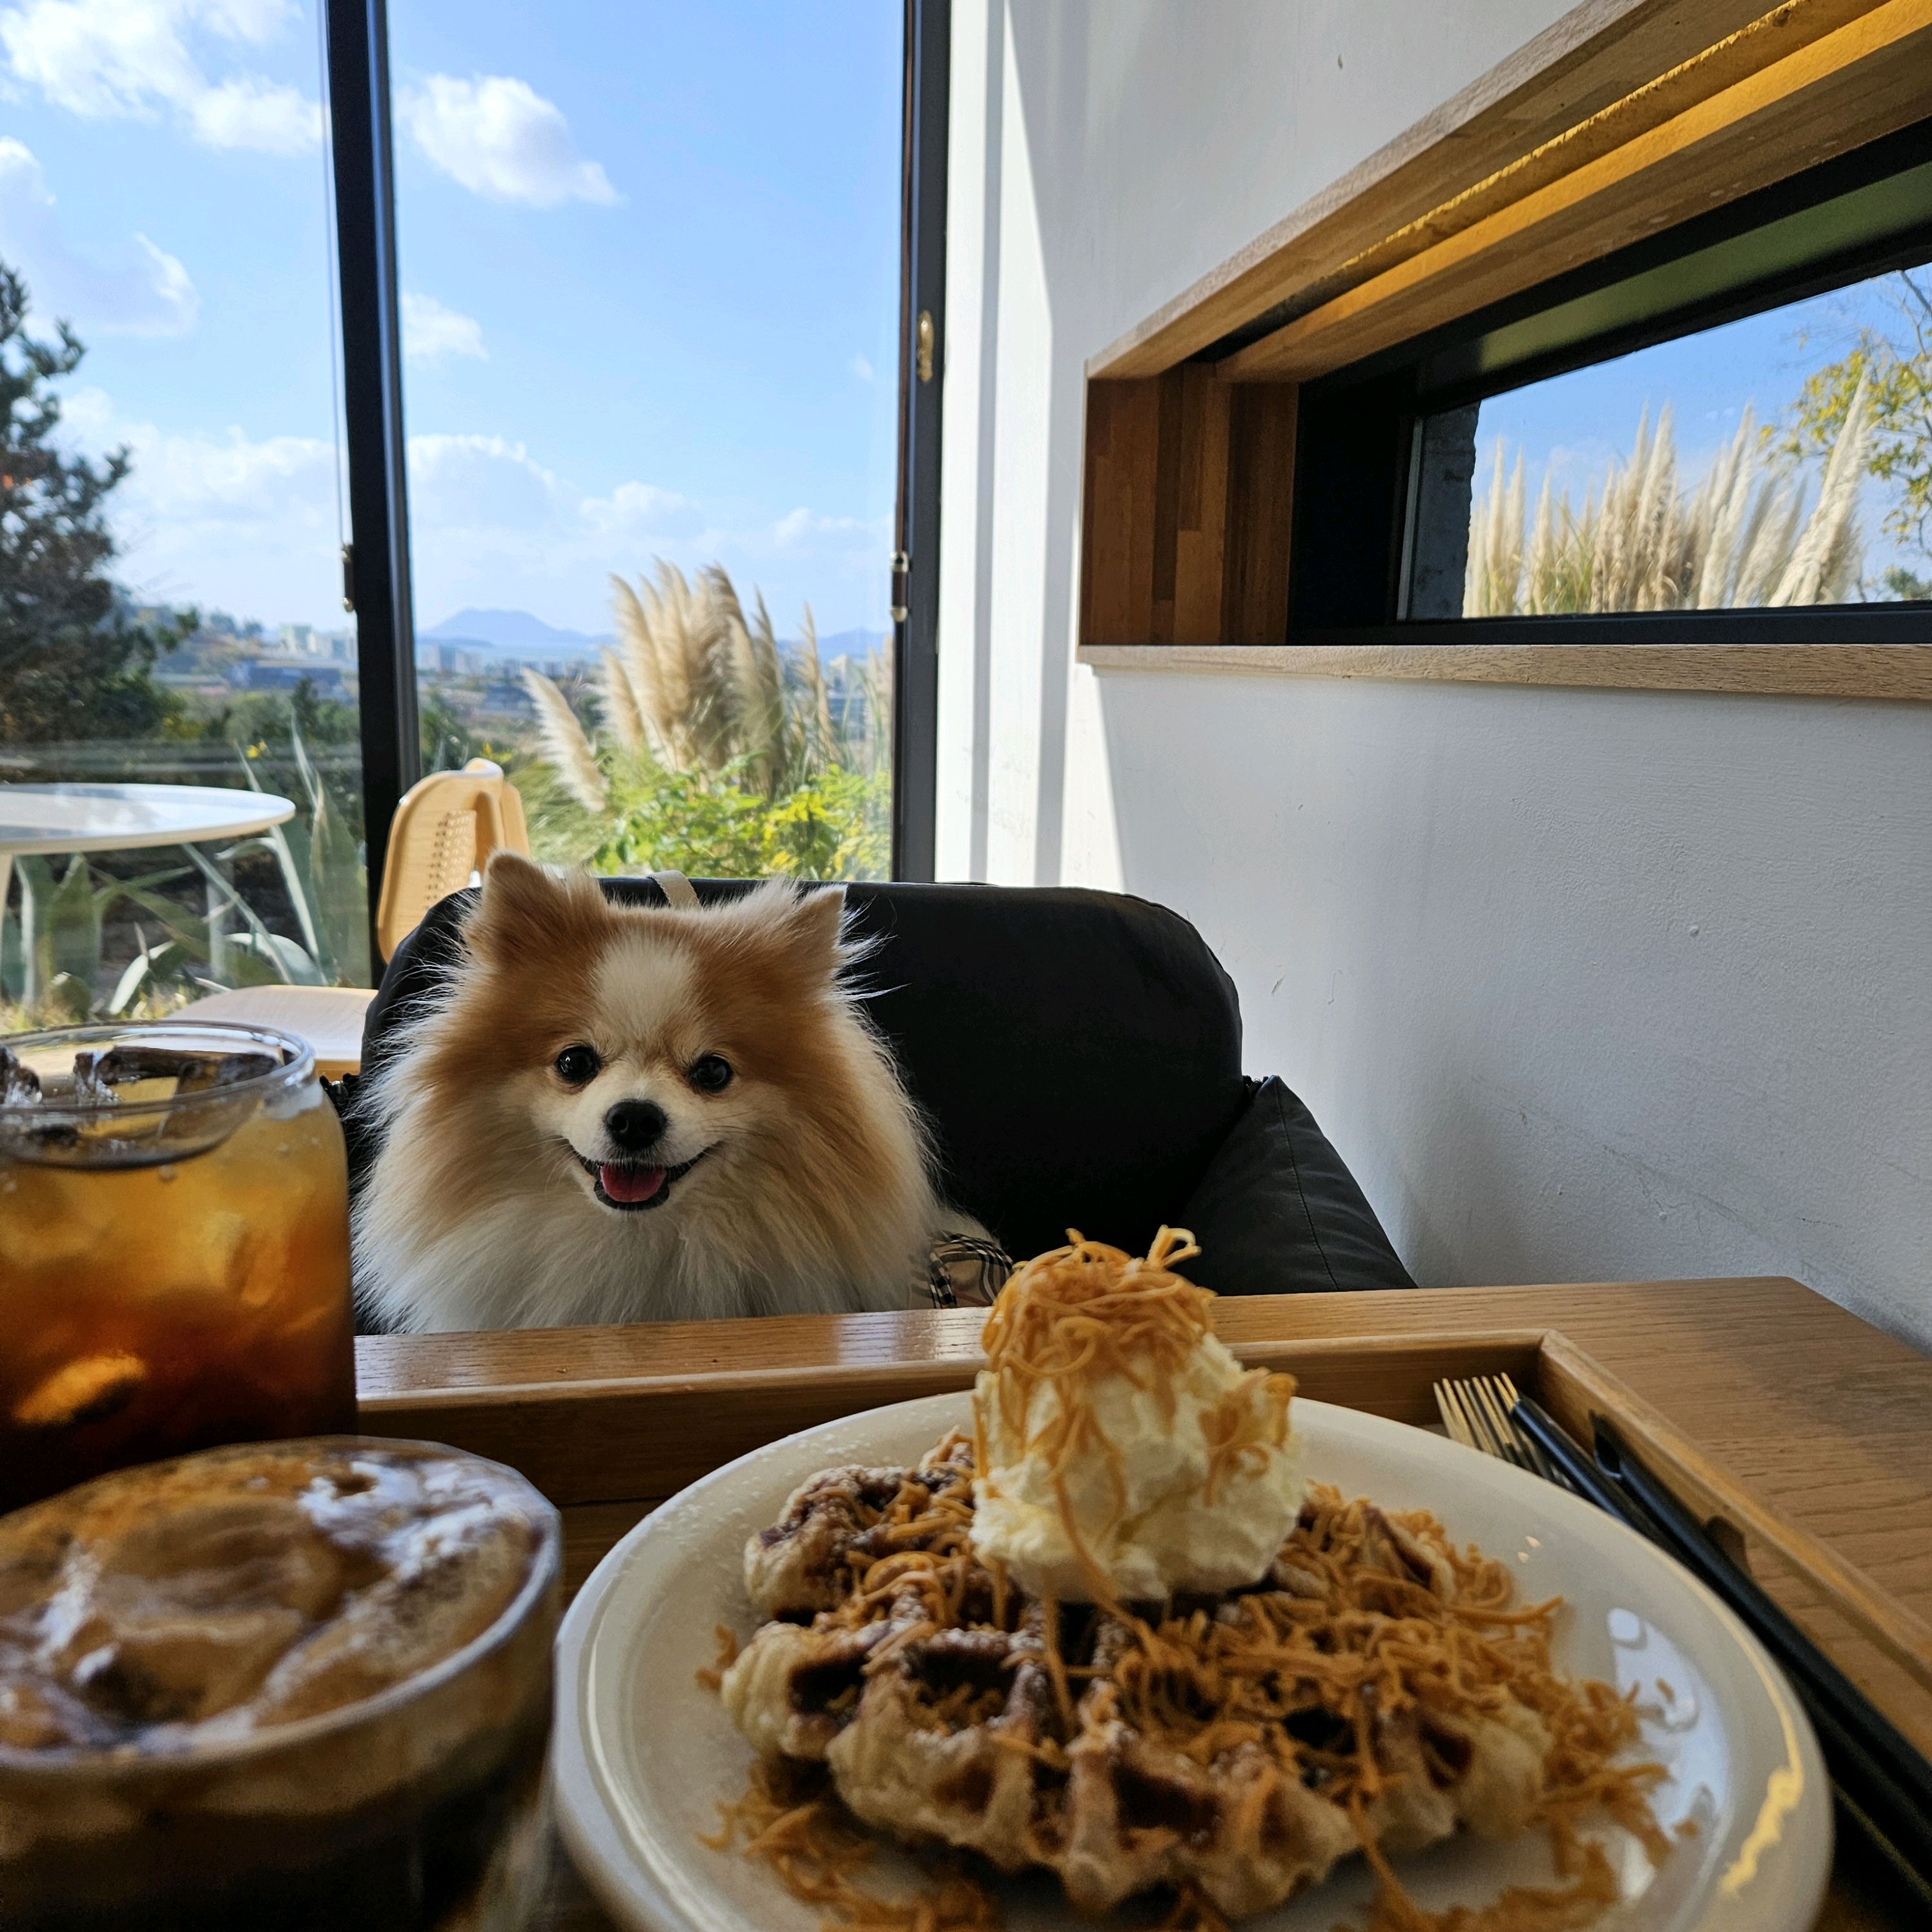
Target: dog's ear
[(811, 929), (525, 913)]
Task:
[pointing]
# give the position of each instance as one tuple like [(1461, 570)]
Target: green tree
[(1898, 364), (74, 663)]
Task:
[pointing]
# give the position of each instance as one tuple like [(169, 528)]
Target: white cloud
[(261, 115), (430, 331), (491, 525), (488, 491), (500, 138), (803, 529), (120, 59), (633, 507), (235, 522), (147, 292), (233, 481), (473, 483), (861, 368), (229, 521)]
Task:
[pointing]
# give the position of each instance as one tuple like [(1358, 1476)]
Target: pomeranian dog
[(626, 1113)]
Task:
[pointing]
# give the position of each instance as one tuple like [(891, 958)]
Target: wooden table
[(1822, 1416)]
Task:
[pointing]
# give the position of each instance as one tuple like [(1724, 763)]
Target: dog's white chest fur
[(553, 1259)]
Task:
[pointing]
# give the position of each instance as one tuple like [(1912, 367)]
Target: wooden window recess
[(1623, 119)]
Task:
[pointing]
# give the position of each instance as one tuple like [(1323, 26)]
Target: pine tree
[(74, 663)]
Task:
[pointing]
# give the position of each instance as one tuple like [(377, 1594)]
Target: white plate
[(643, 1754)]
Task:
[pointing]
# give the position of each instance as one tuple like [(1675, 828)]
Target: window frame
[(1360, 426), (376, 585), (928, 54), (375, 563)]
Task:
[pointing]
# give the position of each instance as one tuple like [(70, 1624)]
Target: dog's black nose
[(635, 1125)]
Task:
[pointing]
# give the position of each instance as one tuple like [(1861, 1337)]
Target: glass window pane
[(649, 274), (1784, 459), (170, 591)]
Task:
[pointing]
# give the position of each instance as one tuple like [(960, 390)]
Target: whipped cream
[(1159, 1467)]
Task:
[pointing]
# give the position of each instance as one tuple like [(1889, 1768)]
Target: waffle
[(1365, 1695)]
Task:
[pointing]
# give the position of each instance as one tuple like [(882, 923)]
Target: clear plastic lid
[(140, 1095)]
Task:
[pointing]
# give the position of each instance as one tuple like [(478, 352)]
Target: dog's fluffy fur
[(798, 1186)]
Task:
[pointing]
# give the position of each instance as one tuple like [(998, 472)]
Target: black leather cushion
[(1277, 1213), (1078, 1054)]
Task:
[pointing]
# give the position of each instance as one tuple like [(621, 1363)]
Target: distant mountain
[(514, 632)]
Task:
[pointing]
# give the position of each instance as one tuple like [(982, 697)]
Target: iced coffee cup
[(174, 1249), (299, 1685)]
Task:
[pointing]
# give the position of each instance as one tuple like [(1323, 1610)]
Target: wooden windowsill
[(1902, 671)]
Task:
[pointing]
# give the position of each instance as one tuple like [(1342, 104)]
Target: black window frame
[(376, 574), (1359, 432)]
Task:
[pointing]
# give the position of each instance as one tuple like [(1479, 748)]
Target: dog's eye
[(578, 1065), (710, 1074)]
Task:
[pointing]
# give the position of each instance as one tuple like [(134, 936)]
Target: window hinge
[(901, 585), (924, 341), (348, 576)]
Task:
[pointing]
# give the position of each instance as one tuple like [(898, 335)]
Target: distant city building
[(305, 641), (259, 674), (453, 660)]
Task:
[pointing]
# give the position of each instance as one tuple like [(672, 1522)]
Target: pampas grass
[(695, 685), (564, 746), (1740, 538), (620, 702), (1827, 555)]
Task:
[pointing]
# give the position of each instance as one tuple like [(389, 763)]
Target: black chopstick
[(1885, 1785), (1889, 1779), (1746, 1595), (1578, 1471)]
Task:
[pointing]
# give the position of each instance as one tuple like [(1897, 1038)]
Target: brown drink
[(293, 1685), (174, 1249)]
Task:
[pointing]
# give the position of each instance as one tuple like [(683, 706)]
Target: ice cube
[(226, 1069), (20, 1084), (88, 1389), (93, 1081), (115, 1065), (120, 1066)]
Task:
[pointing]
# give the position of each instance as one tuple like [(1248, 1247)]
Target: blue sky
[(648, 256), (1574, 426)]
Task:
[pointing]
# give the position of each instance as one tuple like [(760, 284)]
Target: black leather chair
[(1078, 1055)]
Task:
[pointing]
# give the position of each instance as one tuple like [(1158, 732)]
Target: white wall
[(1584, 985)]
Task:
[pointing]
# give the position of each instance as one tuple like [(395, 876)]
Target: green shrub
[(835, 826)]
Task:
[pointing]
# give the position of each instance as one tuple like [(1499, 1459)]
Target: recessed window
[(1721, 434)]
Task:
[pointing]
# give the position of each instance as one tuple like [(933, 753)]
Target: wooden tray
[(606, 1449)]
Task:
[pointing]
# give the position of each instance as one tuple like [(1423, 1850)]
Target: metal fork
[(1476, 1412)]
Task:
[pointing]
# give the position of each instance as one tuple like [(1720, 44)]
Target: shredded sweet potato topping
[(790, 1818), (1372, 1624), (711, 1676)]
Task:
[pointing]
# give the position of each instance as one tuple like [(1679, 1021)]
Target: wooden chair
[(444, 831)]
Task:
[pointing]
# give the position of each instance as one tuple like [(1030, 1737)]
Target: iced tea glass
[(174, 1249)]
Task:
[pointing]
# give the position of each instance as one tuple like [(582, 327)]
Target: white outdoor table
[(38, 818)]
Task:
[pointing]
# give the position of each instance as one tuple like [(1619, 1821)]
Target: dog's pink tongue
[(630, 1183)]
